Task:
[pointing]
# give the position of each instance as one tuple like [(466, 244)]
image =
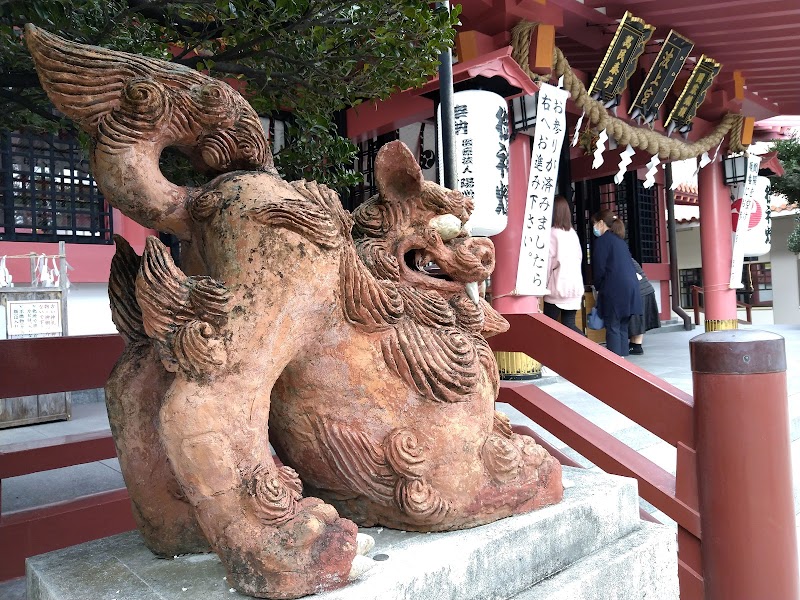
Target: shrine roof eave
[(771, 163), (413, 105), (493, 64)]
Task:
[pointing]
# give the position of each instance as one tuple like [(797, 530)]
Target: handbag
[(594, 320)]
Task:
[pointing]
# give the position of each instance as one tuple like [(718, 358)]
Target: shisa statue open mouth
[(353, 344), (450, 263)]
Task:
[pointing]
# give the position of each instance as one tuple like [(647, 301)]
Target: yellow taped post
[(517, 366)]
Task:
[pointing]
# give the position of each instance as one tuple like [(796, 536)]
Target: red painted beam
[(44, 529), (743, 37), (656, 485), (55, 453), (70, 363), (651, 402), (753, 29), (566, 460)]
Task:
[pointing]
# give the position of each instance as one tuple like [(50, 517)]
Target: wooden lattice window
[(48, 193)]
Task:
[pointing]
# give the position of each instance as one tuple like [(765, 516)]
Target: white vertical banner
[(743, 223), (534, 255), (756, 241), (481, 139)]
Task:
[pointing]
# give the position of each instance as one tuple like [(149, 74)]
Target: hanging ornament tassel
[(599, 149), (624, 160), (5, 275), (54, 273), (652, 169), (68, 268), (577, 135), (43, 277)]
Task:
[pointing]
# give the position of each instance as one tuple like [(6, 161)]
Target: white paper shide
[(542, 185)]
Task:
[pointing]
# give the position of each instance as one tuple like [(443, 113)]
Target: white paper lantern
[(481, 140), (756, 241)]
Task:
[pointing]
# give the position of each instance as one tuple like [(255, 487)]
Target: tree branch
[(19, 79), (153, 11), (27, 103)]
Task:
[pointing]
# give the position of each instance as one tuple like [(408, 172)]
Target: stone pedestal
[(590, 546)]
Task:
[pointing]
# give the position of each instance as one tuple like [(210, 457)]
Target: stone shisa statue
[(293, 323)]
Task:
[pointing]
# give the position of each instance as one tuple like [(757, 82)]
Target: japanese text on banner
[(748, 202), (542, 185)]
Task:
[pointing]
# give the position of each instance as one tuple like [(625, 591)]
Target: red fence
[(73, 363), (651, 402), (737, 449), (766, 521), (696, 291)]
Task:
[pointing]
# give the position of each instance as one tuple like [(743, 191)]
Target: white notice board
[(33, 318)]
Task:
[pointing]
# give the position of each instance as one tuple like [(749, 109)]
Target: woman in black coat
[(615, 279)]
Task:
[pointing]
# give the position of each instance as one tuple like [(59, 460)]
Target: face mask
[(596, 232)]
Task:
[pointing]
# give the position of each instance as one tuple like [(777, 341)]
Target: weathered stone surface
[(640, 566), (592, 542), (357, 341)]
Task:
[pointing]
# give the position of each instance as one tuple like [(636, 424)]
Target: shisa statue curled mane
[(293, 323)]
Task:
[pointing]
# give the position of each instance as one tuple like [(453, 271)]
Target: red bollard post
[(744, 472)]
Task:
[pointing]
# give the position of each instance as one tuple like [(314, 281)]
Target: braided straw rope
[(645, 139)]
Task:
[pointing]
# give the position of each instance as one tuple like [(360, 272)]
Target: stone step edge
[(644, 564), (510, 555)]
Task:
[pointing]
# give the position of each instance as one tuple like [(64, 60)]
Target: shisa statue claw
[(354, 345)]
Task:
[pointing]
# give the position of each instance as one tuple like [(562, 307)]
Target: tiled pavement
[(666, 355)]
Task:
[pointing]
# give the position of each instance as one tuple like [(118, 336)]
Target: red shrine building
[(645, 85), (754, 80), (48, 195)]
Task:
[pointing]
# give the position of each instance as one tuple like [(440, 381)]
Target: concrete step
[(670, 326), (640, 566), (492, 562)]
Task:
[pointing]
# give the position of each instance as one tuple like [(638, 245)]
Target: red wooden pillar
[(716, 249), (507, 243), (744, 466)]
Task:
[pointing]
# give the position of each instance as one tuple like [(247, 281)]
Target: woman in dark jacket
[(649, 319), (615, 279)]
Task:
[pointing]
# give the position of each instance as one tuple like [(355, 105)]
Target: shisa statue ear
[(397, 173)]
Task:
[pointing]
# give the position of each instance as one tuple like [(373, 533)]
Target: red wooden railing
[(696, 291), (651, 402), (73, 363), (85, 362)]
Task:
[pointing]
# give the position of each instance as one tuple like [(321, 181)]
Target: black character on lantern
[(501, 193), (502, 160), (502, 123)]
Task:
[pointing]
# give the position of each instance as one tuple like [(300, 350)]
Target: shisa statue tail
[(134, 394), (133, 107)]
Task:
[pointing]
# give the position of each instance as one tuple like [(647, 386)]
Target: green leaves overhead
[(311, 58), (789, 183)]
